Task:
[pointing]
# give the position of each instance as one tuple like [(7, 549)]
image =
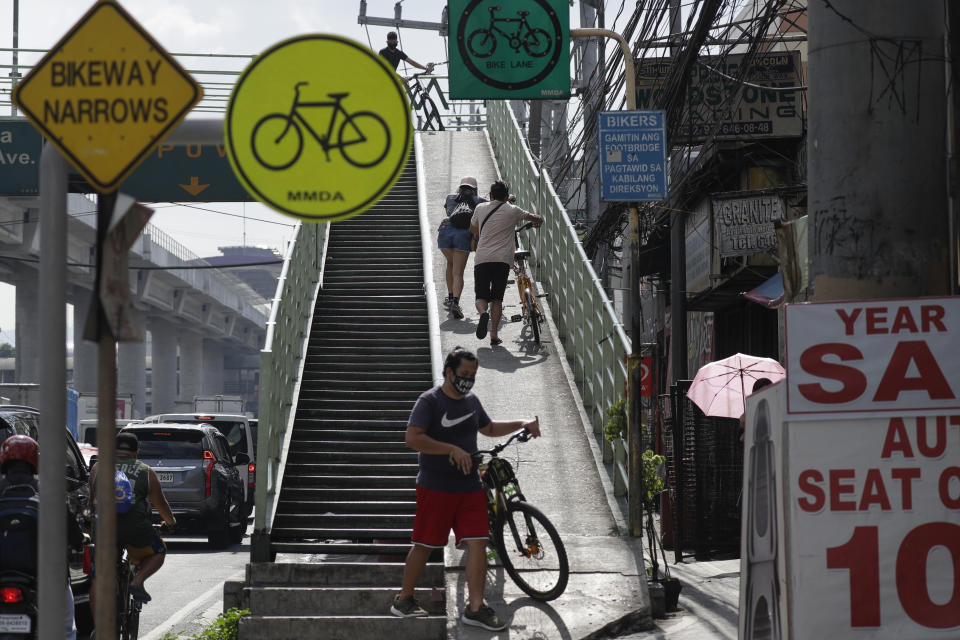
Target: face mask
[(462, 385), (391, 45)]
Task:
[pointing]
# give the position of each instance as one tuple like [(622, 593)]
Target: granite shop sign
[(745, 223)]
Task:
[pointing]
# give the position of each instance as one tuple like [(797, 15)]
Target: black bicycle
[(483, 42), (525, 540), (363, 137), (128, 609)]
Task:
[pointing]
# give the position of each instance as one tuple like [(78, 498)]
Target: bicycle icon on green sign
[(363, 137), (483, 42)]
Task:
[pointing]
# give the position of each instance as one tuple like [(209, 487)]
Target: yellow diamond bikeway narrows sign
[(318, 127), (106, 95)]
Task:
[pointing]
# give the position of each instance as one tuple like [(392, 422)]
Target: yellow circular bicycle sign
[(318, 127)]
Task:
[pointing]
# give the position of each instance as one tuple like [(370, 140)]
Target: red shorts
[(440, 511)]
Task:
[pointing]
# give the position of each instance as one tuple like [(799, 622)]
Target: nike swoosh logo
[(449, 423)]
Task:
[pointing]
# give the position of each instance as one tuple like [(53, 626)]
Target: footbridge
[(355, 335)]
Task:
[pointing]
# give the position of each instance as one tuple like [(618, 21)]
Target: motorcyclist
[(18, 466)]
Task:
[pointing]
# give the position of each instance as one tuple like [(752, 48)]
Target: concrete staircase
[(349, 484)]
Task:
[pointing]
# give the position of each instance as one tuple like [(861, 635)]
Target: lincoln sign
[(722, 106)]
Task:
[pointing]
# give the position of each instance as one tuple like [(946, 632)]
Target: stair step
[(309, 427), (319, 495), (347, 506), (395, 551), (352, 414), (328, 384), (336, 456), (323, 405), (350, 482), (335, 601), (373, 525), (329, 574), (348, 446), (320, 534), (408, 469)]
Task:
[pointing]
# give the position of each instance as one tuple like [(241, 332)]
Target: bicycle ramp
[(348, 497)]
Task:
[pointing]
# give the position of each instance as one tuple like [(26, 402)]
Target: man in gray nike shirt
[(443, 427)]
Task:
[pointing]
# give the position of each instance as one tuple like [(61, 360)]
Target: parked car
[(236, 429), (17, 419), (199, 478)]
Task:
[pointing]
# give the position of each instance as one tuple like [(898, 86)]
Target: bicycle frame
[(522, 20), (295, 113)]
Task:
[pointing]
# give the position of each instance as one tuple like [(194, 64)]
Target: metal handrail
[(281, 370), (592, 335)]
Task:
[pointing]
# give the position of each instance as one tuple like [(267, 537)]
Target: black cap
[(128, 441)]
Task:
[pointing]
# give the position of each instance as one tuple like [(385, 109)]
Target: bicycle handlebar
[(523, 435)]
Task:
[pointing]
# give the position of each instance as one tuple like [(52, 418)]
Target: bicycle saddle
[(523, 14), (338, 95), (518, 255)]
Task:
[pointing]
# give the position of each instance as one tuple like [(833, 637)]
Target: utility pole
[(15, 67), (877, 153), (678, 257)]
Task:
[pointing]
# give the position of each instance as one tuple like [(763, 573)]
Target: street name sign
[(106, 94), (20, 147), (633, 155), (318, 127), (194, 173), (512, 50)]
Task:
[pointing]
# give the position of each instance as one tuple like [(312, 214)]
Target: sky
[(242, 27)]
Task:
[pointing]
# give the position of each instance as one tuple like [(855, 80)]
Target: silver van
[(236, 429)]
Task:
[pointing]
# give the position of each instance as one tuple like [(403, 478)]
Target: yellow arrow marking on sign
[(194, 188)]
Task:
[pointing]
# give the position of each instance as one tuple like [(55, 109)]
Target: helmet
[(19, 447)]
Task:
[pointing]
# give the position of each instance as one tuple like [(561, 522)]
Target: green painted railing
[(281, 369), (593, 338)]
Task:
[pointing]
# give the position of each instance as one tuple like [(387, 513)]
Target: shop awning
[(769, 294)]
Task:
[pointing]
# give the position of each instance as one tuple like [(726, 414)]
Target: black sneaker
[(456, 311), (447, 302), (407, 607), (482, 325), (483, 617)]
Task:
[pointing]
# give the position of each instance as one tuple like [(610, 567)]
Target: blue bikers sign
[(633, 155)]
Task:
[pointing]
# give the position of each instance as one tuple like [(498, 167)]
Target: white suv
[(239, 435)]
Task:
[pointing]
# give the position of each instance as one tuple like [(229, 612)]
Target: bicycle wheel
[(131, 624), (483, 46), (537, 43), (367, 140), (276, 141), (532, 316), (538, 562)]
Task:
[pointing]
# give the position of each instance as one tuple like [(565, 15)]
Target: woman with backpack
[(453, 239)]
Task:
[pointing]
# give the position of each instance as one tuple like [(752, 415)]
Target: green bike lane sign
[(509, 50)]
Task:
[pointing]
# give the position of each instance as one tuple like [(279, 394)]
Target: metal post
[(52, 532), (106, 550), (15, 68)]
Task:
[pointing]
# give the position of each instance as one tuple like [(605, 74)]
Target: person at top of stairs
[(453, 239), (443, 427)]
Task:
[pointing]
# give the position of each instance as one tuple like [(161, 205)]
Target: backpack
[(123, 490), (460, 217), (19, 517)]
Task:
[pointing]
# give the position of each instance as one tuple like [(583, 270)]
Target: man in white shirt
[(493, 223)]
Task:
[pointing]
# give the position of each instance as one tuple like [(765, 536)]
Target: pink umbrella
[(720, 387)]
